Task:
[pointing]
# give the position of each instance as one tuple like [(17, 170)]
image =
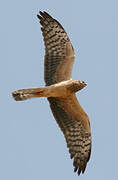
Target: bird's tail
[(24, 94)]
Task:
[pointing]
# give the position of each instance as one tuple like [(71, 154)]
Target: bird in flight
[(60, 91)]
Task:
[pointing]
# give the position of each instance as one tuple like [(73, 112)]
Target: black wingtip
[(79, 167), (79, 171), (38, 16), (48, 15), (43, 14)]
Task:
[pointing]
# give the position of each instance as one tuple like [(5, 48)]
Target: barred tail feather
[(24, 94)]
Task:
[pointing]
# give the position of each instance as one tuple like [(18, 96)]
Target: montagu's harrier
[(60, 91)]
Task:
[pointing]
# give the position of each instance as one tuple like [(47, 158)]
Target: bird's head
[(81, 84), (78, 85)]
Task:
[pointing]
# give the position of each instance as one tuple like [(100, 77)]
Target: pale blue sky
[(31, 144)]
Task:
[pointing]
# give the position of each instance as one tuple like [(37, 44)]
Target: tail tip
[(17, 96)]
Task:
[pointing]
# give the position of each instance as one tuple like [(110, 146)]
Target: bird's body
[(60, 91)]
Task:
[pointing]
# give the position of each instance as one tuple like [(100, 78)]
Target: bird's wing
[(75, 125), (59, 53)]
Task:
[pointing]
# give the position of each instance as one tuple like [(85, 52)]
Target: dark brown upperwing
[(59, 53), (76, 129)]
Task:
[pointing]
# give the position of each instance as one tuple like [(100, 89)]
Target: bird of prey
[(60, 91)]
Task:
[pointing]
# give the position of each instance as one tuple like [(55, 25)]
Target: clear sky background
[(31, 144)]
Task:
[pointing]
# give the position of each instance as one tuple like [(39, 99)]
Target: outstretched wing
[(59, 53), (75, 125)]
